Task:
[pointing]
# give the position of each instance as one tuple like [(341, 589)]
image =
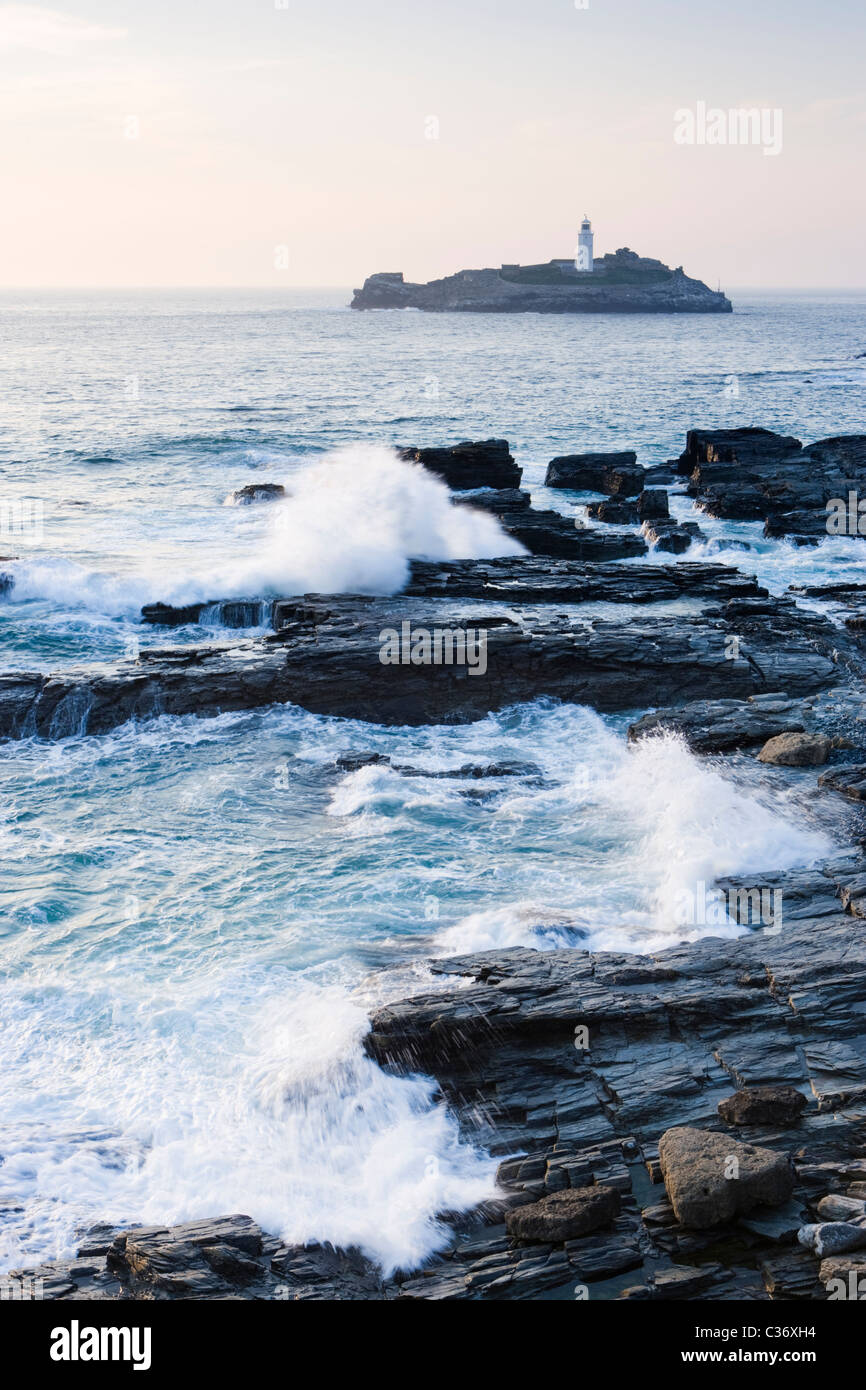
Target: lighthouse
[(583, 260)]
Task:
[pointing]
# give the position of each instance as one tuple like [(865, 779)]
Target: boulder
[(835, 1207), (844, 1278), (763, 1105), (796, 750), (564, 1215), (710, 1178), (668, 536), (258, 492), (832, 1238), (754, 474)]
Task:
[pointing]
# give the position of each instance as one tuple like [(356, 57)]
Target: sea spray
[(354, 521), (653, 822)]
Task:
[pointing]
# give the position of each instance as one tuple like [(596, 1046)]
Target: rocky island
[(617, 283)]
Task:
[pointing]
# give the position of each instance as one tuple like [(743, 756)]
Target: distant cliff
[(622, 283)]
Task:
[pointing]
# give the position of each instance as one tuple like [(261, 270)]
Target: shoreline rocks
[(779, 1106), (326, 657), (588, 1073), (564, 1215), (594, 1075), (757, 475), (617, 474), (793, 749)]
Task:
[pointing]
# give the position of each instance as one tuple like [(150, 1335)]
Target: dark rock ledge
[(325, 658), (757, 475), (572, 1066)]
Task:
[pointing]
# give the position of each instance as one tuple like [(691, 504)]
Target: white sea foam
[(653, 821), (184, 1106)]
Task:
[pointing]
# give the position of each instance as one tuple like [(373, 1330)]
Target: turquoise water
[(197, 915)]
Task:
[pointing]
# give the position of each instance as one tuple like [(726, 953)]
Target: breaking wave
[(355, 519)]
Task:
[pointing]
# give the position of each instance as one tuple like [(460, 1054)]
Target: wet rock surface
[(849, 781), (564, 1215), (472, 464), (326, 657), (671, 537), (581, 1069), (531, 580), (258, 492), (755, 474), (721, 726), (796, 750), (618, 475)]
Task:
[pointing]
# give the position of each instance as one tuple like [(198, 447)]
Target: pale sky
[(240, 142)]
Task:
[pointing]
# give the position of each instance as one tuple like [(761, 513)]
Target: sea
[(197, 915)]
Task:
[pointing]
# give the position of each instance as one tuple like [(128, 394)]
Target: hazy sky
[(288, 142)]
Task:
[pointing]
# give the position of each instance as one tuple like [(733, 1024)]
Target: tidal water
[(197, 915)]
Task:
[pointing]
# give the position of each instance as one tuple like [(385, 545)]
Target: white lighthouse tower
[(583, 260)]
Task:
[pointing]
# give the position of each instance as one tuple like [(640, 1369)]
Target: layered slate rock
[(849, 781), (516, 579), (665, 1035), (617, 474), (483, 475), (722, 726), (550, 533), (484, 463), (614, 512), (533, 580), (232, 613), (572, 1065), (652, 505), (757, 475), (710, 1178), (327, 659)]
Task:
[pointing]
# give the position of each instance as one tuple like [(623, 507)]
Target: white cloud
[(38, 30)]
